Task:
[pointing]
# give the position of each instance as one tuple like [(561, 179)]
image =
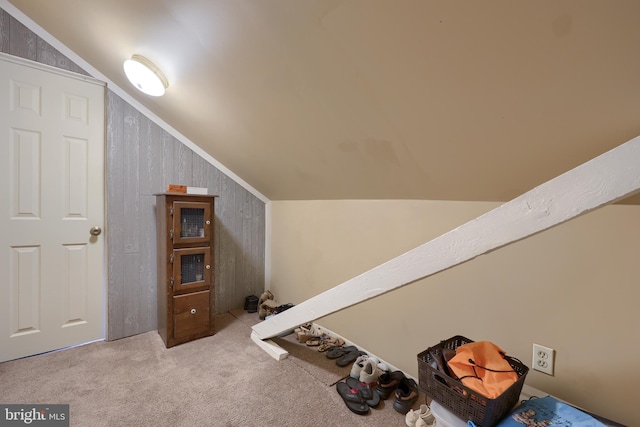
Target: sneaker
[(357, 366), (370, 371), (388, 382), (406, 395), (421, 417), (428, 420)]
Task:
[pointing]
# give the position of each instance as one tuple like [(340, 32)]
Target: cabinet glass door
[(191, 222), (191, 269)]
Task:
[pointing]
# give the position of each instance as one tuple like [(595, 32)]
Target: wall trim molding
[(50, 69)]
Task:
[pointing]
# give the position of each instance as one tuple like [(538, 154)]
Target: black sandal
[(350, 357), (369, 394), (337, 352), (352, 398)]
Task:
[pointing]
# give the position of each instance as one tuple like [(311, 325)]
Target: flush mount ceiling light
[(144, 75)]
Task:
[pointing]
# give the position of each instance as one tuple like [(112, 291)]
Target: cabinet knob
[(207, 222), (193, 311), (208, 267)]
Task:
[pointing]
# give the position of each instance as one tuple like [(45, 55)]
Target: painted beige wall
[(572, 288)]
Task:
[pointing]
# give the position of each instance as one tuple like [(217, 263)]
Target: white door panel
[(52, 170)]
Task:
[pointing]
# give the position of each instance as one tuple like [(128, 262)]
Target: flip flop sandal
[(352, 398), (349, 358), (370, 396), (337, 352), (324, 347), (330, 343), (316, 341)]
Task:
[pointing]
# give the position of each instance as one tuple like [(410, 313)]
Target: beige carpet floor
[(222, 380)]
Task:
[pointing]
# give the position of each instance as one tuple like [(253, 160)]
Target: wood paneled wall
[(18, 40), (141, 160)]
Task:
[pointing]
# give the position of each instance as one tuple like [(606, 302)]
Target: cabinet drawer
[(190, 314)]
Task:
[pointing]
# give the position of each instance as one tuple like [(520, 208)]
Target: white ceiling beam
[(603, 180)]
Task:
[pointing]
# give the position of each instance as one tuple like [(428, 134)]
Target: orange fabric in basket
[(475, 364)]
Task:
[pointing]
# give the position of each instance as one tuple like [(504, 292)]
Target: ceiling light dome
[(145, 76)]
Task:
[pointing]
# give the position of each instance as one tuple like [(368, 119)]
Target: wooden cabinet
[(186, 303)]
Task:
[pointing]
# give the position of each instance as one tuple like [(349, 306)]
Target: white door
[(52, 273)]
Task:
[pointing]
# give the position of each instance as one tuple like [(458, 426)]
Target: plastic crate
[(462, 401)]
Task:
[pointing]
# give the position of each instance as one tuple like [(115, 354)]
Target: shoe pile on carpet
[(265, 306), (370, 380)]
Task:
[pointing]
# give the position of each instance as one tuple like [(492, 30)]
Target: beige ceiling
[(377, 99)]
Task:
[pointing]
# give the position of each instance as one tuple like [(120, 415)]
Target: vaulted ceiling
[(377, 99)]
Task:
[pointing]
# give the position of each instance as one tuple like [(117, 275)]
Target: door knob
[(95, 231)]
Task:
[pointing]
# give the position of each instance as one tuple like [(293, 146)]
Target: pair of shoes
[(371, 371), (266, 305), (251, 303), (388, 382), (367, 369), (406, 395), (344, 355), (420, 417), (349, 357), (316, 341), (377, 366), (357, 366), (337, 352), (307, 332), (330, 342), (368, 394), (352, 398)]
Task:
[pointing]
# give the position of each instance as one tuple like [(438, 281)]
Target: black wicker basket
[(462, 401)]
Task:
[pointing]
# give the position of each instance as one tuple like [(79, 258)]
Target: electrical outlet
[(543, 359)]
